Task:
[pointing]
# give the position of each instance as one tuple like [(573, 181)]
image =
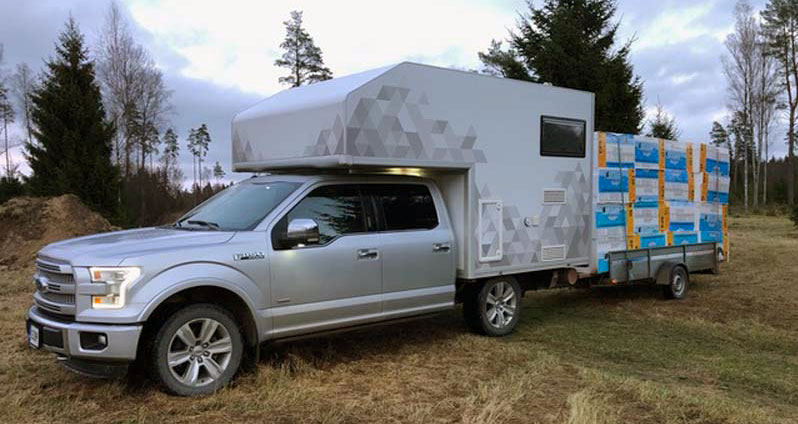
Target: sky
[(218, 57)]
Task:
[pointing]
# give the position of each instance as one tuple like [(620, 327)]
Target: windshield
[(237, 208)]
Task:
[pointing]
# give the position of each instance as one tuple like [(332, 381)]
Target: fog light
[(93, 341)]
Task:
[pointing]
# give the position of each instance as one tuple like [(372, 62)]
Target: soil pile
[(29, 223)]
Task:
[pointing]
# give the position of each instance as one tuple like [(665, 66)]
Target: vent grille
[(554, 196), (552, 253)]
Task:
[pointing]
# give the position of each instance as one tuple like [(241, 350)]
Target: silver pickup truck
[(271, 257)]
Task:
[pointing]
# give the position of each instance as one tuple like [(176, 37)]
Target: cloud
[(219, 58)]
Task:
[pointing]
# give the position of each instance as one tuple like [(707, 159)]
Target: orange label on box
[(630, 218), (602, 150), (723, 223), (631, 185), (633, 241), (690, 159), (690, 186), (661, 154), (661, 175), (670, 238), (664, 217), (702, 166)]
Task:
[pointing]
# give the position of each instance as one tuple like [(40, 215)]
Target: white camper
[(513, 160)]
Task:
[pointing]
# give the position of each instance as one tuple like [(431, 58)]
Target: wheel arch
[(663, 277)]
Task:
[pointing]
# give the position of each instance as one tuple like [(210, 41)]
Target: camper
[(382, 196)]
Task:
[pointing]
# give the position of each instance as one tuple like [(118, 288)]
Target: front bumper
[(63, 338)]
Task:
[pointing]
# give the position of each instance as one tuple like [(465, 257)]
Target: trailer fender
[(664, 272)]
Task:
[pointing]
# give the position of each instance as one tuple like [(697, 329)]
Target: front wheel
[(197, 350), (495, 308)]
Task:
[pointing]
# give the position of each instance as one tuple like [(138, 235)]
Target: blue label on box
[(684, 238), (613, 181), (655, 240), (675, 159), (603, 266), (646, 151), (709, 222), (610, 216), (711, 236), (676, 176), (682, 226), (718, 197)]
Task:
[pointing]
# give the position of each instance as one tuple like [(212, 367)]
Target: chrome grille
[(55, 286)]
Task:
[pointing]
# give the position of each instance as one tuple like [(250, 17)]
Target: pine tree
[(6, 117), (218, 172), (302, 57), (718, 135), (73, 153), (571, 43), (203, 140), (663, 125)]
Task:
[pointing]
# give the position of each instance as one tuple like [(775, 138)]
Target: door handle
[(368, 254), (441, 247)]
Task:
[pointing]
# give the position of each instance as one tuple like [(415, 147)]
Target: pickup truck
[(271, 257)]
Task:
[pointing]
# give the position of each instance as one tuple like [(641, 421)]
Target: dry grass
[(727, 354)]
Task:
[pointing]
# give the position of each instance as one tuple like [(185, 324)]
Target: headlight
[(117, 280)]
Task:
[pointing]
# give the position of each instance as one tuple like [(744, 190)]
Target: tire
[(485, 316), (677, 284), (207, 365)]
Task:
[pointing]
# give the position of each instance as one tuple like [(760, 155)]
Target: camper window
[(562, 137)]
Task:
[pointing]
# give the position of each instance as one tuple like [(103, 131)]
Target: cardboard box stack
[(651, 192)]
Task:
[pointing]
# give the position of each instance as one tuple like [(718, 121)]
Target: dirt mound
[(29, 223)]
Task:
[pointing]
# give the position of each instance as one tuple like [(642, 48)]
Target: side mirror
[(302, 231)]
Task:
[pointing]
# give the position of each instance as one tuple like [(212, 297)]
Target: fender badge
[(248, 255)]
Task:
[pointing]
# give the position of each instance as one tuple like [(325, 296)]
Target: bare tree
[(780, 29), (765, 103), (740, 68), (133, 91), (22, 85)]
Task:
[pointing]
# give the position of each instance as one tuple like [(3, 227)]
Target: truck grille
[(55, 287)]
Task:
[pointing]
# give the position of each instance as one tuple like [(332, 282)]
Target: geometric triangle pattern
[(559, 224), (393, 125)]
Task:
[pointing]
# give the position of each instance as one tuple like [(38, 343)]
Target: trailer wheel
[(677, 283), (494, 308)]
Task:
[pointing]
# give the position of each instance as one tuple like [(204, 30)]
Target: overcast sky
[(218, 57)]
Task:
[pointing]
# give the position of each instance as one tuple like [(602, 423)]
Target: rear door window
[(404, 206)]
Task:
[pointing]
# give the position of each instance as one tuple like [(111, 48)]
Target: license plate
[(33, 336)]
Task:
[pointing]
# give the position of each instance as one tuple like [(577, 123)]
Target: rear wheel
[(495, 308), (197, 350), (677, 284)]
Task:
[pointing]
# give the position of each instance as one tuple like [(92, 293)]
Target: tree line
[(98, 123)]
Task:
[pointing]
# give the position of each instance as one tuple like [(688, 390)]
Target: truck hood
[(110, 249)]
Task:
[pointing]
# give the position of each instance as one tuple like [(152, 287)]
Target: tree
[(663, 125), (22, 84), (74, 139), (571, 43), (301, 56), (780, 29), (218, 172), (203, 141), (6, 117), (193, 148), (765, 100), (171, 150), (133, 92), (740, 68)]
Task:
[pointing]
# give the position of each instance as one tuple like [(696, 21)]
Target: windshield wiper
[(208, 224)]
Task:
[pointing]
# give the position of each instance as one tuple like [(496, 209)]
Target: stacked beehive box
[(652, 192)]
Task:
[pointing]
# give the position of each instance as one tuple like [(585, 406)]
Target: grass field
[(726, 354)]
